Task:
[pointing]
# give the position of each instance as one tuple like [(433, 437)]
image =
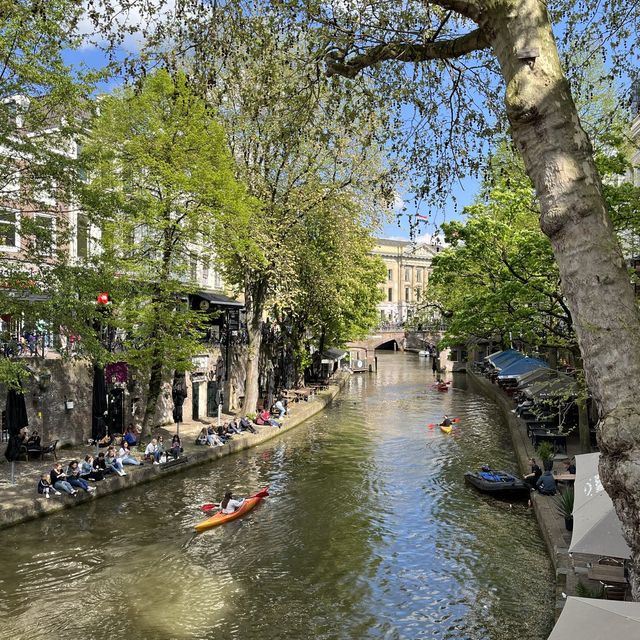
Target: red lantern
[(103, 298)]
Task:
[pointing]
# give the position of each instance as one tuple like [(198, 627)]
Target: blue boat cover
[(505, 362), (498, 356), (522, 366)]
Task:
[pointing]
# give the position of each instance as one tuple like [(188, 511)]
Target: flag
[(419, 216)]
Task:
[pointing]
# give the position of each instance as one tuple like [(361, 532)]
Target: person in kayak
[(229, 505), (446, 421)]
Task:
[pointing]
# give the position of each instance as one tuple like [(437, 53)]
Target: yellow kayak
[(446, 429)]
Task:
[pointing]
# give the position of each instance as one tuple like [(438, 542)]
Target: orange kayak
[(220, 518)]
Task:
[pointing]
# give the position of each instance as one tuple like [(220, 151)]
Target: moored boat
[(497, 483), (220, 518), (423, 354)]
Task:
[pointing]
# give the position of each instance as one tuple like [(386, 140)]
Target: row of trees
[(202, 159)]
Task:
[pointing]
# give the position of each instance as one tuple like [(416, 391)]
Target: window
[(389, 274), (407, 274), (390, 295), (82, 237), (418, 275), (193, 266), (8, 228), (43, 226), (205, 270), (418, 295), (407, 294)]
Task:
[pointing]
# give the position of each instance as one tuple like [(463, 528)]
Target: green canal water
[(369, 532)]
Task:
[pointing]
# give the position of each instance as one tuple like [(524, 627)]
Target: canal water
[(369, 532)]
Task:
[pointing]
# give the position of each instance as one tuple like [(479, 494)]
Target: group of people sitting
[(545, 483), (113, 461)]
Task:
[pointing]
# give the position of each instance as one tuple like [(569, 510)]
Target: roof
[(518, 368), (558, 386), (593, 619), (596, 527), (502, 356), (537, 375), (333, 354), (218, 299)]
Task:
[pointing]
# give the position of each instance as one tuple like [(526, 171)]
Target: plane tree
[(470, 67)]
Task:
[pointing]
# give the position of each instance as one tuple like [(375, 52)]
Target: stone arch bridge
[(396, 339)]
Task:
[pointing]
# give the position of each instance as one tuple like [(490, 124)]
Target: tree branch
[(406, 52), (467, 8)]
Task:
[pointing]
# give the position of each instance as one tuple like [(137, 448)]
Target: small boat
[(423, 354), (220, 518), (446, 429), (497, 483), (442, 386)]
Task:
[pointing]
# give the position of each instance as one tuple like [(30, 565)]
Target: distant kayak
[(447, 429), (220, 518)]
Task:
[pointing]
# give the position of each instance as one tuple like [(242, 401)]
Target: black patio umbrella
[(178, 394), (98, 404), (16, 417)]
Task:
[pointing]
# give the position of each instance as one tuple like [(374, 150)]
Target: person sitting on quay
[(59, 480), (161, 451), (233, 428), (570, 466), (44, 486), (176, 446), (264, 417), (151, 452), (88, 470), (532, 478), (245, 425), (74, 479), (280, 408), (546, 484), (202, 437), (229, 431), (125, 455), (228, 504), (222, 432), (111, 460), (212, 437), (131, 435)]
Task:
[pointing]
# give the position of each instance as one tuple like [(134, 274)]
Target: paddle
[(263, 493), (432, 425)]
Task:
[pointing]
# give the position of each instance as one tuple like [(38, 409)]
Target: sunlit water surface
[(369, 532)]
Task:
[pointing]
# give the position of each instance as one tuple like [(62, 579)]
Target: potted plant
[(545, 453), (564, 505)]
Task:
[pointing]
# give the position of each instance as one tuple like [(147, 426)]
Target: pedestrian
[(434, 364)]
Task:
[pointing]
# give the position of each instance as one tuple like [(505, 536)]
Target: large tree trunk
[(558, 159), (254, 298)]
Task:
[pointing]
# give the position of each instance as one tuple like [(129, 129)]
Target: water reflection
[(369, 533)]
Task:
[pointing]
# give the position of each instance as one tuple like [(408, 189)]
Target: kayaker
[(446, 421), (229, 505)]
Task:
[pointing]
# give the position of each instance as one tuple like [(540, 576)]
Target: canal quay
[(369, 532)]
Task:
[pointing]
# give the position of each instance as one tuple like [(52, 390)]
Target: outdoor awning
[(503, 363), (537, 375), (561, 386), (596, 527), (499, 357), (219, 300), (332, 355), (518, 368), (592, 619)]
